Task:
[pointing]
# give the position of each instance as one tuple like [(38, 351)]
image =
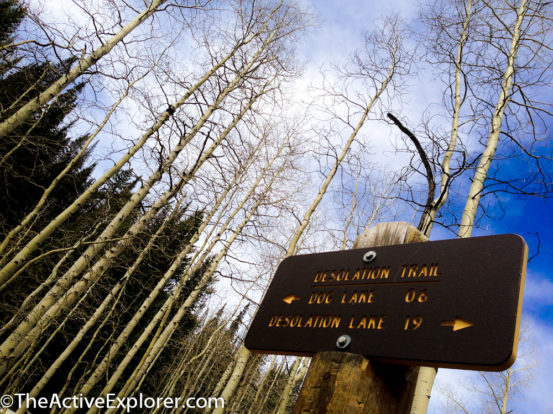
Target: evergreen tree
[(37, 151), (11, 15)]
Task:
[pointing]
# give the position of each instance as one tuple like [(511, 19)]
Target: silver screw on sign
[(343, 341), (369, 256)]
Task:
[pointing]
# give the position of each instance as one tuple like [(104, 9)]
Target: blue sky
[(341, 24)]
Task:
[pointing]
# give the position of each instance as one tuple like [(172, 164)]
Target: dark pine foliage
[(37, 151), (11, 16)]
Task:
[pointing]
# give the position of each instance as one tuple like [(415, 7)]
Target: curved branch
[(427, 166)]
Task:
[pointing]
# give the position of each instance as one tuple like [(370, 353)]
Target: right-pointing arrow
[(458, 324)]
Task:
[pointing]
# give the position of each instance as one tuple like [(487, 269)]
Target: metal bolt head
[(343, 341), (369, 256)]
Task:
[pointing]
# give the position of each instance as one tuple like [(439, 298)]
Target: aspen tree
[(207, 348), (241, 359), (507, 76), (192, 268), (193, 364), (273, 389), (491, 55), (196, 347), (52, 277), (114, 295), (486, 158), (200, 381), (381, 74), (154, 293), (254, 408), (458, 99), (211, 348), (224, 379), (296, 375), (245, 384), (78, 69), (133, 323), (426, 376)]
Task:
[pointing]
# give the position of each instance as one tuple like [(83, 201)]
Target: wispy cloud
[(538, 291)]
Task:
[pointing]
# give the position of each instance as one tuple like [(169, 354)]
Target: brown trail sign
[(451, 303)]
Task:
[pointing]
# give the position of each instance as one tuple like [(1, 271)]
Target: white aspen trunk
[(423, 390), (177, 374), (272, 385), (506, 391), (27, 110), (427, 374), (439, 201), (351, 214), (49, 307), (287, 391), (214, 353), (241, 359), (243, 388), (199, 371), (300, 375), (223, 380), (307, 216), (481, 173), (260, 387)]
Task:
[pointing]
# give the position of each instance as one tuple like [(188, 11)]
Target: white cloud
[(538, 291)]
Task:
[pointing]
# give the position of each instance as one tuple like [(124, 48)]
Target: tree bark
[(241, 360)]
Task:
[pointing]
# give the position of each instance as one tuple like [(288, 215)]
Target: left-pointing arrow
[(290, 298)]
